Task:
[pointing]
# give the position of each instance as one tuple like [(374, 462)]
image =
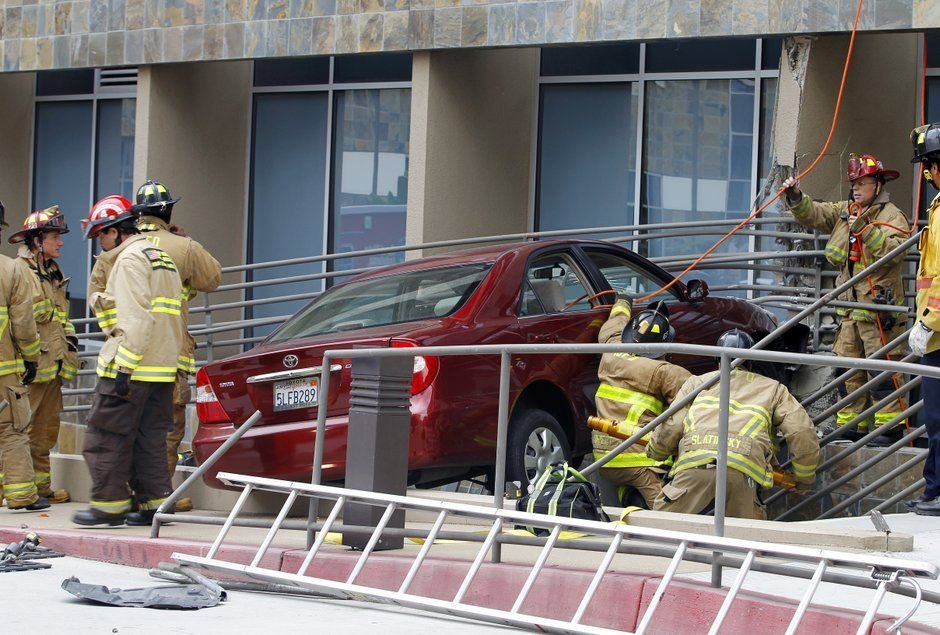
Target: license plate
[(295, 393)]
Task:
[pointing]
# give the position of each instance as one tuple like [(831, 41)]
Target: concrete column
[(877, 109), (192, 135), (16, 127), (471, 143)]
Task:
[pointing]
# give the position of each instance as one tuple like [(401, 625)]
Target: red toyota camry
[(533, 292)]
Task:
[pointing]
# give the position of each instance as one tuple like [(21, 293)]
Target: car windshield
[(406, 297)]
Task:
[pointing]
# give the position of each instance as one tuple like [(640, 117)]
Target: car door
[(624, 270)]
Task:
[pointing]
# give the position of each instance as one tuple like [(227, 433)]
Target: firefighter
[(634, 389), (199, 271), (19, 357), (139, 312), (759, 408), (861, 232), (40, 241), (923, 338)]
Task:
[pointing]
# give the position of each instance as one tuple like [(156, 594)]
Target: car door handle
[(543, 339)]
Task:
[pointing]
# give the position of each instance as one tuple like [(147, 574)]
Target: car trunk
[(261, 379)]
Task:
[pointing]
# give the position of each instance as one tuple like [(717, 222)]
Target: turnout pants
[(45, 399), (930, 388), (692, 491), (19, 485), (861, 339), (125, 445), (647, 481), (181, 397)]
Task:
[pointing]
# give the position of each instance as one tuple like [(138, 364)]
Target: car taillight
[(425, 368), (208, 408)]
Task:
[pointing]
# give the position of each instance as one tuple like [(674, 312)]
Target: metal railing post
[(170, 502), (502, 429), (210, 346), (313, 510), (721, 472)]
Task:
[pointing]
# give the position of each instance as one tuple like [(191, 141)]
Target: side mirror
[(697, 290)]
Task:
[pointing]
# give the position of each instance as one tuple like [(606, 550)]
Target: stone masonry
[(63, 34)]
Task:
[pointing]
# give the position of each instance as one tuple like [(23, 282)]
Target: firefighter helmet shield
[(49, 219), (650, 326), (153, 196), (107, 212), (867, 165), (926, 142)]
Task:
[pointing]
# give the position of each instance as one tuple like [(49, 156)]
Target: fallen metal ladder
[(881, 574)]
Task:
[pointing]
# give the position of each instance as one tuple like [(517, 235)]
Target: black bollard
[(378, 441)]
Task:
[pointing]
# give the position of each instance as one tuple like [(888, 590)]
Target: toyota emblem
[(290, 361)]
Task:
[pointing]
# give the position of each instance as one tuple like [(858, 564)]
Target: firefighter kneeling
[(634, 389), (139, 311), (759, 407)]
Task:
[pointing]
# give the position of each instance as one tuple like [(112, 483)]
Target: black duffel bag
[(562, 491)]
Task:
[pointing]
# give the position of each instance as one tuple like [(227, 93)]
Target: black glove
[(30, 373), (888, 319), (121, 384), (72, 343)]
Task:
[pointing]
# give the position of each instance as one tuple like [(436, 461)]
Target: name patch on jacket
[(159, 259)]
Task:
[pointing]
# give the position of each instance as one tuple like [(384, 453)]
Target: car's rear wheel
[(535, 441)]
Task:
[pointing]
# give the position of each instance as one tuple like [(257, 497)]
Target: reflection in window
[(370, 174), (63, 155), (552, 283), (624, 275), (587, 164), (698, 152), (287, 195), (115, 156)]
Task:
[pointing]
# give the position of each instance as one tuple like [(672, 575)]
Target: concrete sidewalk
[(768, 604)]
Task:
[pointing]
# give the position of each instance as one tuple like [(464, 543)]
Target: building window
[(83, 150), (329, 170), (703, 110)]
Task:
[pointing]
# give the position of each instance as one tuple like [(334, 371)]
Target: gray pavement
[(34, 602)]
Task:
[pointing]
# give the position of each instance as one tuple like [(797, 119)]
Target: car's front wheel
[(535, 441)]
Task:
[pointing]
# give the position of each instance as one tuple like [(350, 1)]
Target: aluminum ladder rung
[(537, 568), (275, 527), (732, 592), (807, 597), (321, 535), (373, 541)]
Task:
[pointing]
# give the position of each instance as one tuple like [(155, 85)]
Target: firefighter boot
[(38, 504), (91, 517), (57, 496), (142, 518)]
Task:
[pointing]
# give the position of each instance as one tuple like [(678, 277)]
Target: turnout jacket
[(633, 391), (759, 407), (884, 231), (198, 270), (19, 338), (139, 311), (928, 275), (58, 343)]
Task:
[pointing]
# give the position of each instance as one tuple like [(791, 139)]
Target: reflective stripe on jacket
[(928, 275), (51, 312), (19, 338), (633, 390), (876, 239), (198, 270), (142, 297), (759, 407)]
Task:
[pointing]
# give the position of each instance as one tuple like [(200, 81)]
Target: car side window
[(552, 283), (624, 275)]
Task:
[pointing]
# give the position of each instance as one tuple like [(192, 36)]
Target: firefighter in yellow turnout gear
[(759, 408), (40, 243), (634, 389), (139, 312), (19, 354), (198, 270), (861, 232)]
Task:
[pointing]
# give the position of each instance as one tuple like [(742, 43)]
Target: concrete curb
[(686, 607)]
